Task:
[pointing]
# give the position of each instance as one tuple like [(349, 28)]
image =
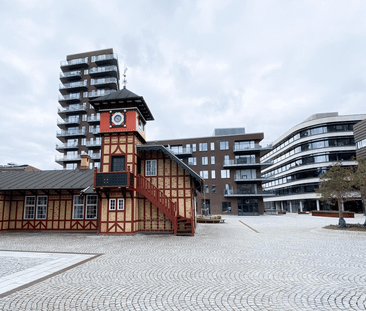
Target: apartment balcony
[(105, 82), (110, 59), (99, 93), (66, 65), (94, 119), (74, 86), (244, 178), (67, 146), (95, 156), (230, 193), (61, 159), (113, 179), (69, 98), (74, 109), (70, 76), (95, 131), (181, 152), (104, 71), (243, 163), (68, 122), (93, 144), (71, 133), (252, 148)]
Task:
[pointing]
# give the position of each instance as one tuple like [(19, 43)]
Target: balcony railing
[(73, 62), (74, 108), (104, 57), (74, 85), (94, 131), (113, 179), (104, 81), (102, 70), (70, 74), (249, 178), (69, 97), (67, 146), (93, 143), (249, 147), (94, 118), (67, 158), (245, 162), (95, 156), (98, 93), (66, 133), (68, 121), (181, 151), (245, 193)]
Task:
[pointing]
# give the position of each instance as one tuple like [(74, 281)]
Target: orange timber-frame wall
[(140, 214), (58, 217)]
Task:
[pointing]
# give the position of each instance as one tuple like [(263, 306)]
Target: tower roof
[(123, 99)]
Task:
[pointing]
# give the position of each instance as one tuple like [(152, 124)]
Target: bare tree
[(359, 180)]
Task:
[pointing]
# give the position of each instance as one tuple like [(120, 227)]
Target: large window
[(29, 207), (41, 207), (91, 206), (204, 174), (192, 161), (150, 167), (224, 145), (78, 208), (202, 146), (225, 173), (226, 207)]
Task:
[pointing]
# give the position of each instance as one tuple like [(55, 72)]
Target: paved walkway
[(291, 263)]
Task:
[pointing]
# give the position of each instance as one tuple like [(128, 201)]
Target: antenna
[(124, 77)]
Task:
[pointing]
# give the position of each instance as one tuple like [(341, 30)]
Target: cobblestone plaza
[(286, 262)]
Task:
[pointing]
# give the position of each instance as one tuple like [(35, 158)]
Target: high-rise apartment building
[(302, 155), (229, 163), (83, 77)]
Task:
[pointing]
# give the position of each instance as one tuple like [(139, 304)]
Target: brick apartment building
[(229, 163), (84, 77)]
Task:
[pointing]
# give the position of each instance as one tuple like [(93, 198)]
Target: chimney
[(85, 159)]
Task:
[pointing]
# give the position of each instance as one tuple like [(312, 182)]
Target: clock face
[(118, 118)]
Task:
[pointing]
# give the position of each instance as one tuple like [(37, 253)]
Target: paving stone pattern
[(10, 265), (291, 264)]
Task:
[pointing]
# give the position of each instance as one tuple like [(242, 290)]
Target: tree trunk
[(342, 222)]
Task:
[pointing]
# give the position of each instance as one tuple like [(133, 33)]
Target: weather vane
[(124, 77)]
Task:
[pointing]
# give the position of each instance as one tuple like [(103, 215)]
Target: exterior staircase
[(181, 225)]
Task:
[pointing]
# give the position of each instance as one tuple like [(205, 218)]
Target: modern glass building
[(302, 155)]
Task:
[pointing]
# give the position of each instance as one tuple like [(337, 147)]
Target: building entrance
[(248, 207)]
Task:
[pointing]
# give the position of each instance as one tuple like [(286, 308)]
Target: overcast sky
[(200, 65)]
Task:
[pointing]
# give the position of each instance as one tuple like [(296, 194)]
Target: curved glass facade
[(303, 156)]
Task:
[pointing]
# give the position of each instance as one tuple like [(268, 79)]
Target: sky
[(199, 64)]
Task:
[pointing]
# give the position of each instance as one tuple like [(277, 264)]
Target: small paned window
[(212, 160), (207, 189), (224, 145), (213, 189), (112, 204), (118, 164), (78, 208), (121, 204), (194, 147), (212, 146), (150, 167), (91, 206), (29, 207), (204, 160), (213, 174), (41, 207)]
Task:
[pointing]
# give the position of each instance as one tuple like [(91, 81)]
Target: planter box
[(332, 214), (208, 221)]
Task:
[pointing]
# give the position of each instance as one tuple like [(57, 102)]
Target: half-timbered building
[(139, 187)]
